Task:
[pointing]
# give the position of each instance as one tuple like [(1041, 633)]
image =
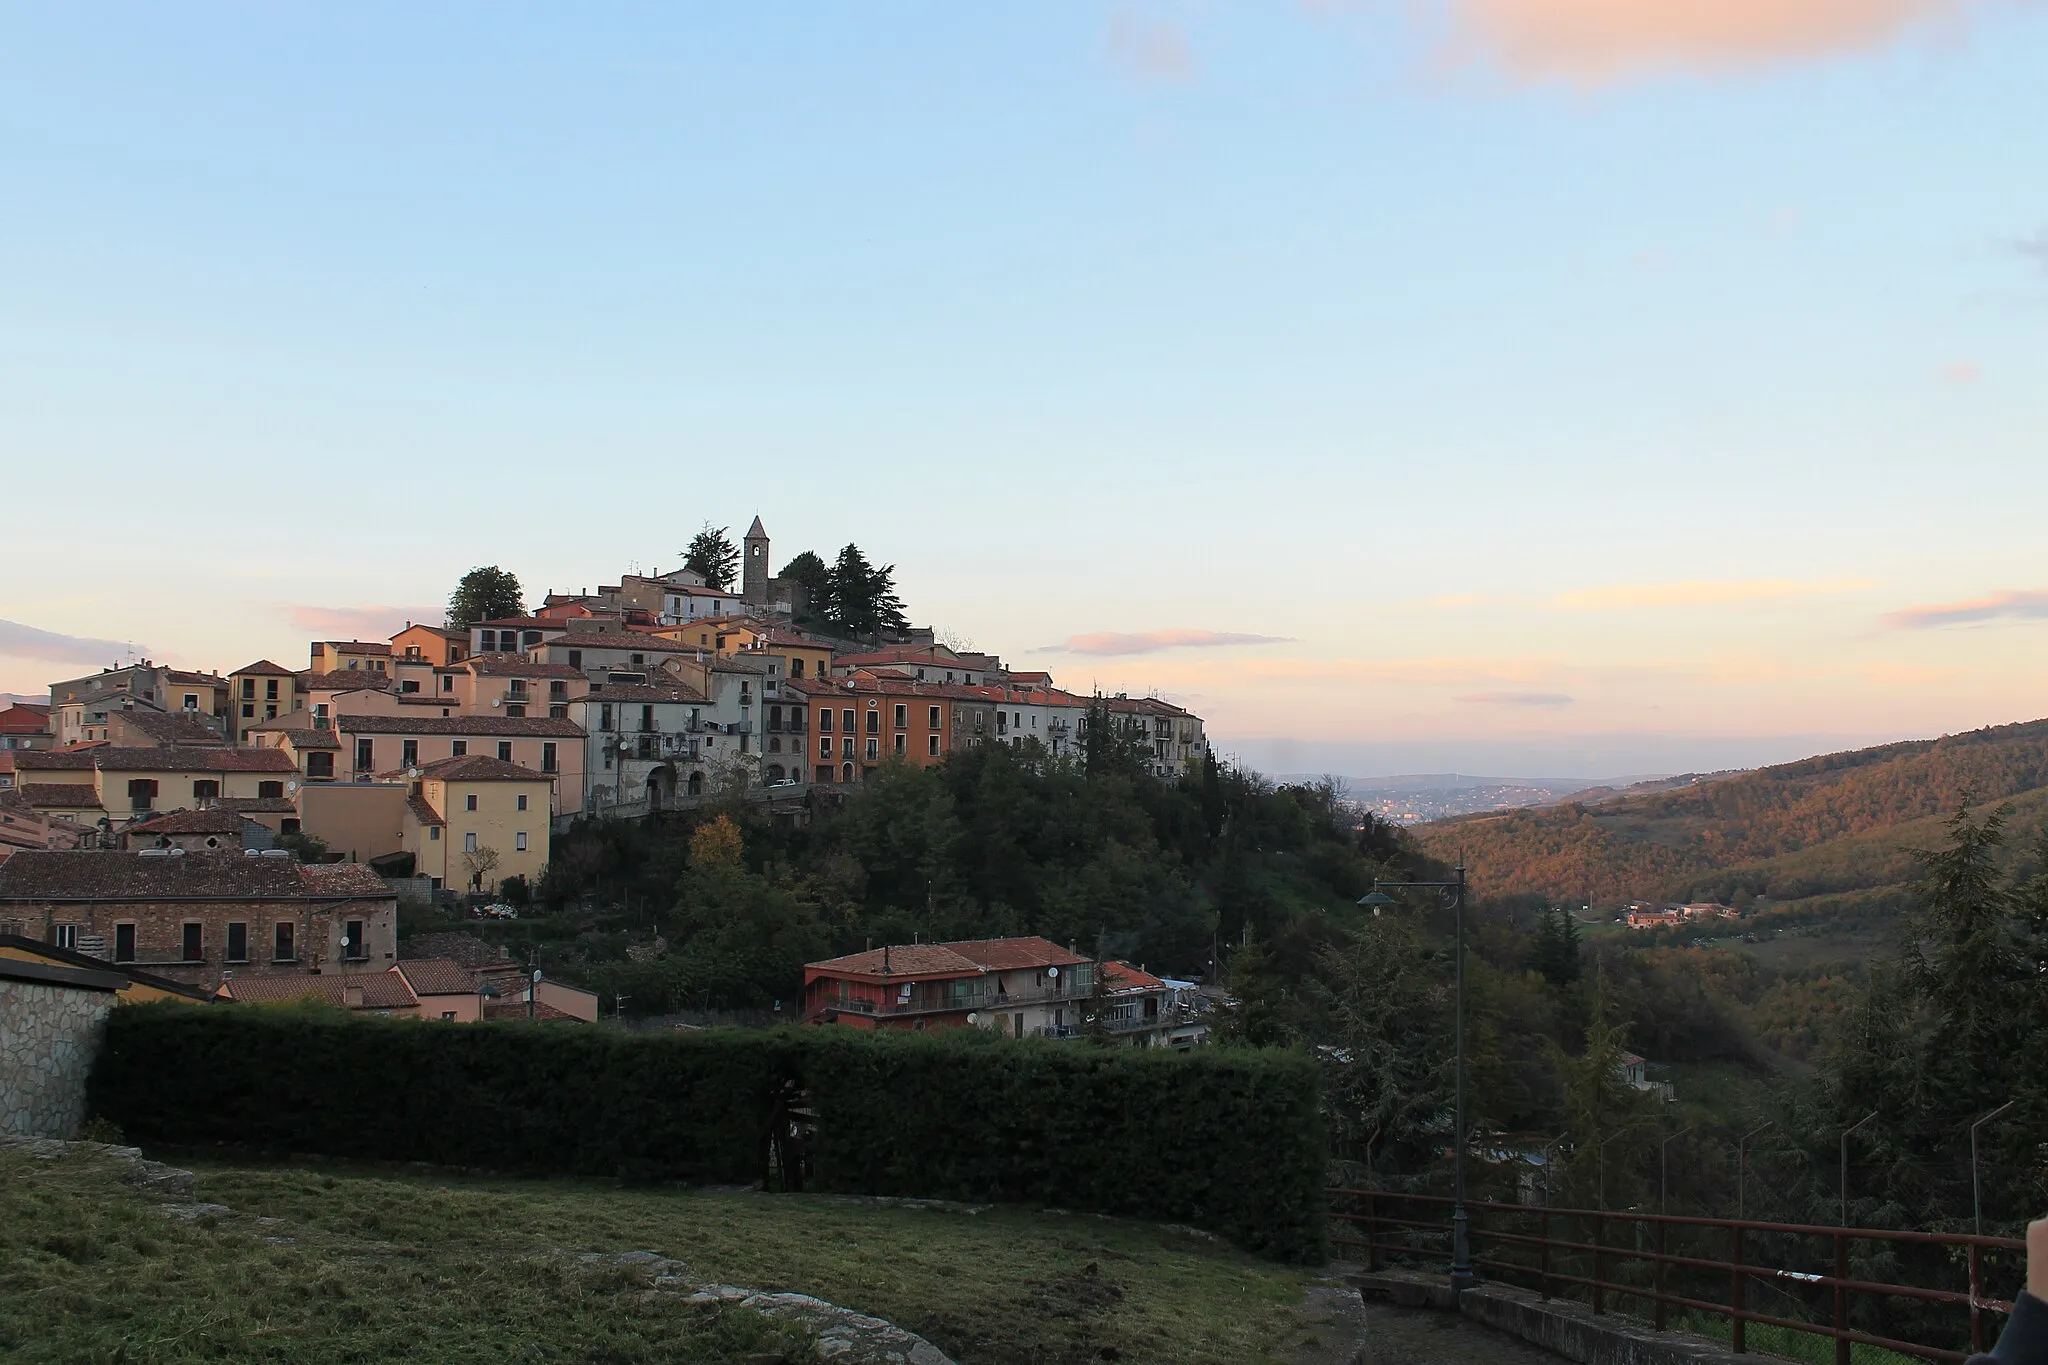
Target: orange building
[(859, 723)]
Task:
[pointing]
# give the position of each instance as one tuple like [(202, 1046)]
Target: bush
[(1228, 1139)]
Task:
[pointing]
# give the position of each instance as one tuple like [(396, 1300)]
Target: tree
[(811, 573), (486, 594), (860, 599), (1556, 954), (304, 847), (715, 843), (479, 861), (713, 555), (1100, 1009)]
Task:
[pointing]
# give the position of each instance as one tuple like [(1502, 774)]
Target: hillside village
[(251, 832)]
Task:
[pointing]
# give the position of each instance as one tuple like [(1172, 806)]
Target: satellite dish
[(292, 785), (1053, 973), (497, 701), (536, 976), (412, 772), (973, 1017)]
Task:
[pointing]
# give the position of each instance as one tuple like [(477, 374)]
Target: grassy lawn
[(435, 1267)]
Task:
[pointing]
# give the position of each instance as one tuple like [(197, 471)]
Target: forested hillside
[(1826, 825)]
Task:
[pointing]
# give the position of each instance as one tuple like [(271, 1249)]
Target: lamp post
[(1976, 1187), (1453, 896)]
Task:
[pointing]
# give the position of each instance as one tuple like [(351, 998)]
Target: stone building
[(196, 917), (50, 1019)]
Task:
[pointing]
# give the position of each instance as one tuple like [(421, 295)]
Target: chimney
[(885, 959), (352, 997)]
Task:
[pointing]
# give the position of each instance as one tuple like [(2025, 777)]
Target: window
[(458, 748), (469, 801), (141, 792), (487, 640), (933, 719), (516, 687), (447, 682), (409, 753), (205, 789), (902, 717), (270, 689), (270, 711), (519, 842), (547, 757), (191, 701), (874, 722), (281, 942), (193, 947), (249, 711), (604, 716), (469, 842), (874, 746), (639, 661), (558, 713), (504, 751), (901, 741), (515, 710), (248, 691), (352, 944), (365, 754), (522, 805), (575, 658), (825, 748), (933, 741), (272, 791), (774, 718), (238, 942), (846, 772), (846, 721), (825, 720), (124, 943), (447, 1014), (64, 936), (558, 690), (796, 668), (288, 826), (846, 747)]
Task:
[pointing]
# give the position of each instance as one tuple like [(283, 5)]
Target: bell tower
[(754, 565)]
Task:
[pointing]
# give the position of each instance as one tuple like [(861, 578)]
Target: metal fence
[(1800, 1277)]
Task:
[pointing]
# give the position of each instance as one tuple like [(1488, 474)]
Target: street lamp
[(1453, 897)]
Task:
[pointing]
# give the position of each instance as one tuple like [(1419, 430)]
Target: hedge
[(1224, 1139)]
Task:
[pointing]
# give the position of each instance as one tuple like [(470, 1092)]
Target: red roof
[(381, 990), (438, 976), (970, 957), (1122, 976), (264, 666)]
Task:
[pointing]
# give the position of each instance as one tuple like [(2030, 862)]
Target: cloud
[(2008, 605), (1111, 642), (2035, 248), (358, 623), (30, 642), (1962, 372), (1151, 51), (1709, 593), (1591, 42), (1515, 698)]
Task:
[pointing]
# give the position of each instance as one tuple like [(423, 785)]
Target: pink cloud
[(1594, 41), (1153, 51), (2010, 605), (1962, 372), (360, 623), (1110, 642), (1515, 699)]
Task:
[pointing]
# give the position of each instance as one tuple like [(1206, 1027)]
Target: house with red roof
[(1019, 987)]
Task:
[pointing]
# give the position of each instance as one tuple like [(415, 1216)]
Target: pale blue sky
[(1267, 319)]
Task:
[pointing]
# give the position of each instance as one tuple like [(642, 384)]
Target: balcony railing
[(950, 1003)]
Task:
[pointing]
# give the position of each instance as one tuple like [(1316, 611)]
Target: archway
[(697, 783)]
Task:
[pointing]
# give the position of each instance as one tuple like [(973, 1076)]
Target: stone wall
[(48, 1035)]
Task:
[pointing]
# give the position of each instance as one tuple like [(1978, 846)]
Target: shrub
[(1227, 1139)]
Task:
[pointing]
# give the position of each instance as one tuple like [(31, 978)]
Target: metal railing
[(1574, 1253)]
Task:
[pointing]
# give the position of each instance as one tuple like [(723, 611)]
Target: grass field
[(365, 1266)]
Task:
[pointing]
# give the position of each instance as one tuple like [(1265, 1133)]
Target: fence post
[(1976, 1296), (1372, 1241), (1841, 1298), (1599, 1260), (1543, 1254), (1657, 1279), (1738, 1336)]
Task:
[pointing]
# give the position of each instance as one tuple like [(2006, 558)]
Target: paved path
[(1429, 1336)]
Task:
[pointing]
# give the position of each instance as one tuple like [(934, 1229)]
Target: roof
[(1120, 977), (513, 666), (542, 726), (264, 667), (756, 532), (1150, 706), (478, 768), (531, 622), (311, 737), (969, 957), (438, 976), (1009, 954), (360, 646), (72, 758), (165, 760), (381, 990), (105, 875), (60, 795), (467, 949), (643, 692), (517, 1009), (349, 680), (257, 805), (423, 810), (72, 958), (173, 727), (190, 679), (444, 632), (21, 719), (646, 644), (214, 821)]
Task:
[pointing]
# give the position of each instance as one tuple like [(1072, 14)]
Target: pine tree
[(712, 554), (1556, 954)]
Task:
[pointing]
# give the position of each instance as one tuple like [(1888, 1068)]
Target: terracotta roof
[(467, 949), (254, 805), (381, 990), (171, 760), (443, 631), (188, 679), (516, 1009), (423, 810), (478, 768), (173, 727), (644, 692), (513, 666), (106, 875), (214, 821), (645, 644), (60, 795), (310, 738), (1009, 954), (71, 758), (533, 726), (360, 646), (263, 667), (1122, 976), (912, 959), (528, 622), (438, 976), (1146, 706)]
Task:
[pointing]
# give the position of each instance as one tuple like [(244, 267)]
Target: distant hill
[(1822, 827)]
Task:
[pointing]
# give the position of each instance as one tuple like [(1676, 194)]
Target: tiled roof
[(423, 810), (311, 738), (913, 959), (360, 646), (532, 726), (60, 795), (173, 727), (265, 668), (23, 720), (478, 768), (517, 1009), (644, 692), (381, 990), (527, 622), (180, 676), (1122, 976), (167, 760), (106, 875), (1144, 706), (514, 666), (645, 644), (467, 949), (1009, 954), (257, 805), (438, 976), (214, 821)]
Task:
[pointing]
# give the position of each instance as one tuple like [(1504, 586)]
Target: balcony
[(946, 1003)]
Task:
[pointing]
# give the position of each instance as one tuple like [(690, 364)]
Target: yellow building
[(143, 988), (135, 784), (258, 692), (437, 646), (473, 821), (341, 656)]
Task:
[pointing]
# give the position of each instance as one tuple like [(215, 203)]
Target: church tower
[(754, 565)]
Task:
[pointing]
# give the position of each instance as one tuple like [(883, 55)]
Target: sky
[(1514, 387)]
